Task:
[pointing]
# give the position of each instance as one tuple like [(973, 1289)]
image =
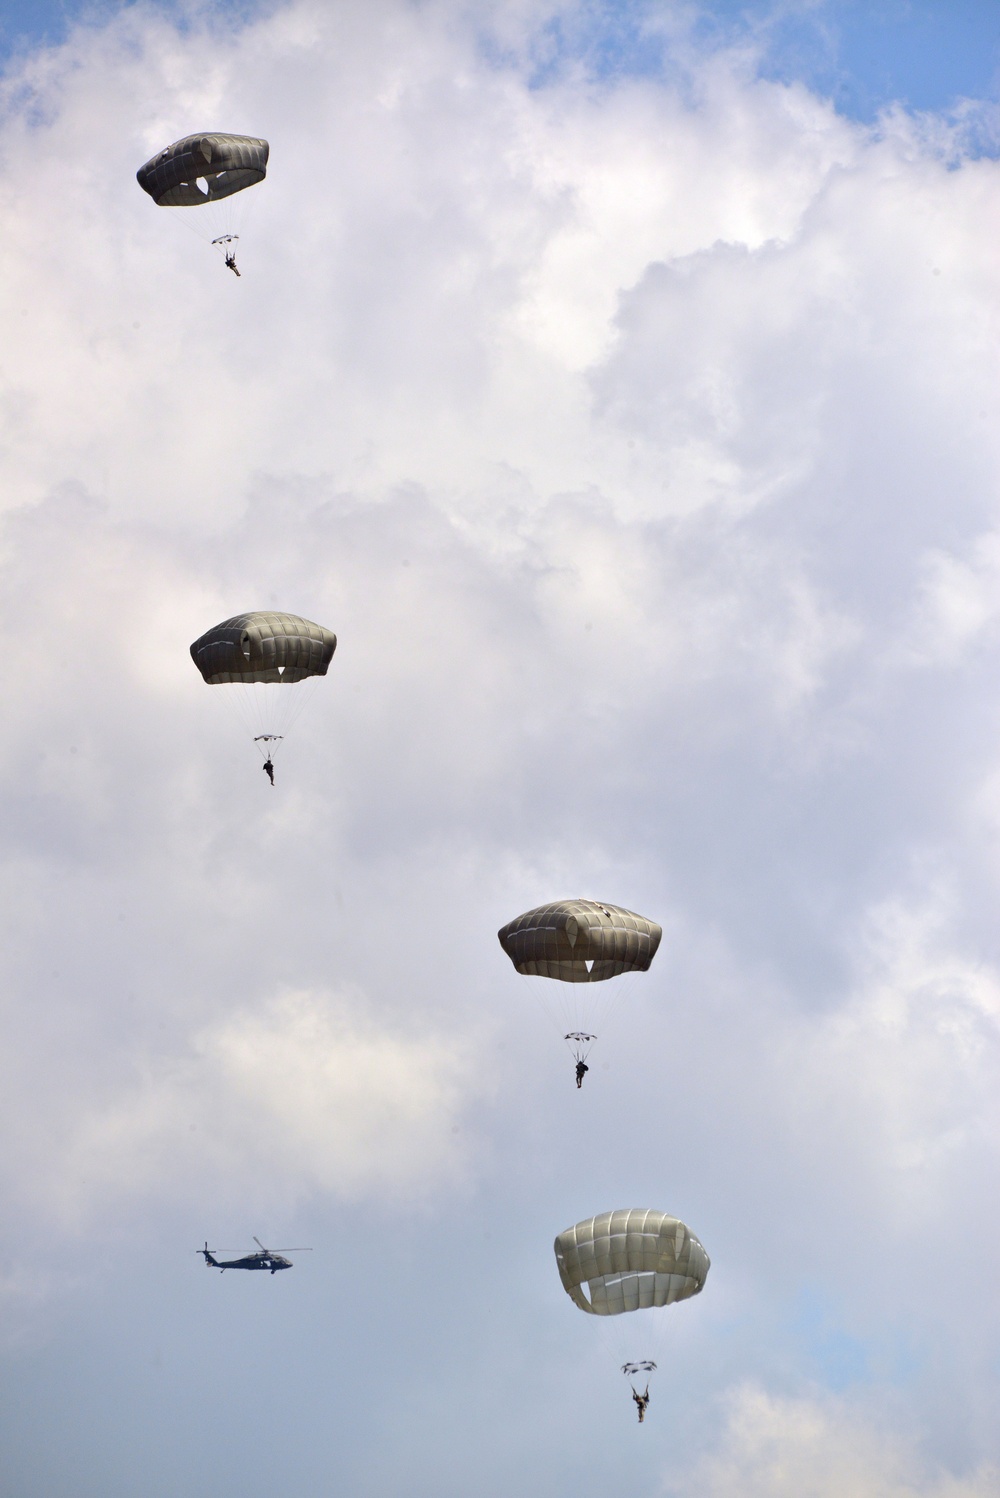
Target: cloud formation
[(299, 1090), (638, 438), (774, 1446)]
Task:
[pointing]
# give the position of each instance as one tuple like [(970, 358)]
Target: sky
[(621, 385)]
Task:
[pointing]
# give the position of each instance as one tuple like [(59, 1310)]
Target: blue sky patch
[(864, 54)]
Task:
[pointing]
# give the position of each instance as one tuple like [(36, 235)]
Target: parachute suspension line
[(221, 222), (582, 1011), (559, 1004), (256, 719), (579, 1043), (255, 711), (594, 1004), (563, 1006), (301, 693), (239, 217), (269, 710), (634, 1343), (605, 1010)]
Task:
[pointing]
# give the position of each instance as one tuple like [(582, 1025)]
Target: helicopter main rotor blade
[(280, 1250)]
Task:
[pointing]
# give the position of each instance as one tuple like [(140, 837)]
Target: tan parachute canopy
[(203, 169), (630, 1260), (580, 941), (264, 648)]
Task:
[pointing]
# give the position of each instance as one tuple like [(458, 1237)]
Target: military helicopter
[(267, 1258)]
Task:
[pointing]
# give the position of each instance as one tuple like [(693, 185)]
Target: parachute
[(632, 1260), (208, 171), (256, 658), (580, 942)]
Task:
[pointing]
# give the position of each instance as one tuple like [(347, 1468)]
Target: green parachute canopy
[(580, 941), (264, 647), (203, 168), (255, 658), (630, 1260)]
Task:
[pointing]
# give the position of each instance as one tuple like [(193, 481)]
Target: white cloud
[(941, 1011), (307, 1091), (960, 601), (775, 1447), (629, 435)]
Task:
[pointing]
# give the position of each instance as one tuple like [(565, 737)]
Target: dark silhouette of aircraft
[(267, 1258)]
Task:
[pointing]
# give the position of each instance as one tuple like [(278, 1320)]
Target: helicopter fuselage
[(262, 1260)]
